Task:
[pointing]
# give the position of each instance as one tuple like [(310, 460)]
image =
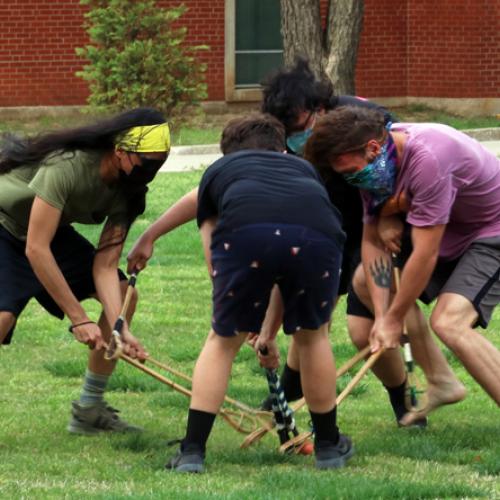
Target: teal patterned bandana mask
[(378, 177)]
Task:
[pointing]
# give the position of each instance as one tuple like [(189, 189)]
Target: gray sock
[(93, 388)]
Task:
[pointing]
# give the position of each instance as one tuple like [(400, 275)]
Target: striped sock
[(93, 388)]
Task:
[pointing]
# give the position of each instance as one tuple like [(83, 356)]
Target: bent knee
[(359, 329), (359, 281), (452, 319), (7, 322)]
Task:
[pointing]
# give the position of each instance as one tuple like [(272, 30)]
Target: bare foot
[(445, 393)]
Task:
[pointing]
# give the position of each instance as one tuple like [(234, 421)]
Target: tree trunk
[(333, 54), (344, 25), (301, 31)]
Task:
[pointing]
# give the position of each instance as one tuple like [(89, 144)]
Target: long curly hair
[(289, 91)]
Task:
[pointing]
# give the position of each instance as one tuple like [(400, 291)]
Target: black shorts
[(350, 261), (351, 258), (247, 262), (74, 256), (355, 307), (475, 276)]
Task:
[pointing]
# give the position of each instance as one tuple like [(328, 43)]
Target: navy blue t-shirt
[(350, 100), (257, 186)]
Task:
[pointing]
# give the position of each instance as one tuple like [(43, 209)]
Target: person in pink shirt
[(448, 188)]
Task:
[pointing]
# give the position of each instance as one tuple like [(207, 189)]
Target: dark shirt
[(255, 186), (350, 100)]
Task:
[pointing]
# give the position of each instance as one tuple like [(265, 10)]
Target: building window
[(254, 46)]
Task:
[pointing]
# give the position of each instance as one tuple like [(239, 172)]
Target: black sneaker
[(189, 458), (333, 456), (100, 417)]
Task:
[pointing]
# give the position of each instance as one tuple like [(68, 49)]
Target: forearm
[(377, 267), (50, 276), (418, 269), (184, 210), (414, 278), (108, 290)]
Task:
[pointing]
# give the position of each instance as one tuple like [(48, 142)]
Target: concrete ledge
[(484, 134), (200, 149), (36, 112), (464, 106)]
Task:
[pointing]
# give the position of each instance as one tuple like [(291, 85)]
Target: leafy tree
[(137, 57), (332, 51)]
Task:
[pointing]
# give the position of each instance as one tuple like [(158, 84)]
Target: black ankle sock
[(397, 397), (325, 426), (198, 429), (290, 381)]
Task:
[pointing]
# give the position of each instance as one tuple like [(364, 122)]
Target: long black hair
[(17, 151)]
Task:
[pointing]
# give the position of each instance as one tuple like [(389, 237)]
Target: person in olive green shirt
[(90, 175)]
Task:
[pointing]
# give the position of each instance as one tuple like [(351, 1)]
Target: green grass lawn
[(200, 128), (458, 456), (421, 113)]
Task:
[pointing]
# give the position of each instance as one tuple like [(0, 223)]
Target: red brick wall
[(205, 23), (37, 55), (428, 48), (454, 48), (382, 70)]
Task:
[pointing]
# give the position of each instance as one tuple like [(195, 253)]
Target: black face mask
[(142, 174)]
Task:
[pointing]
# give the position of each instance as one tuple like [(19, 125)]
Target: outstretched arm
[(418, 269), (416, 274), (43, 223), (107, 284), (182, 211)]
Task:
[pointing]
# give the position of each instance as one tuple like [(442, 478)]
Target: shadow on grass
[(122, 380), (456, 444)]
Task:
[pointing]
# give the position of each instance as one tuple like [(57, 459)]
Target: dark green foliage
[(137, 57)]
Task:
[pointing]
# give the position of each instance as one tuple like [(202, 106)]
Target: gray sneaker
[(189, 458), (333, 456), (97, 418)]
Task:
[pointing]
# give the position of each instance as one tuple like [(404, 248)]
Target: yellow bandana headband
[(146, 139)]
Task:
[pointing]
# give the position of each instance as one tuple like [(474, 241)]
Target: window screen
[(259, 46)]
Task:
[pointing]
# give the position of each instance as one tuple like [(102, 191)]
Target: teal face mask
[(297, 141)]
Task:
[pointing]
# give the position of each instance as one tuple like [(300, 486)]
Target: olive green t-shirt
[(70, 183)]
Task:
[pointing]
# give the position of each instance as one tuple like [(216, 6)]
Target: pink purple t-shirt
[(449, 178)]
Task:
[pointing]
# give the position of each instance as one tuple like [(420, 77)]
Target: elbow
[(427, 258), (33, 253)]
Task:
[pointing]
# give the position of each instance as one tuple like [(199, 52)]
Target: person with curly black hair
[(299, 99)]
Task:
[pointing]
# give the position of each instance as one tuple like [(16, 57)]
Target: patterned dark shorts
[(247, 262)]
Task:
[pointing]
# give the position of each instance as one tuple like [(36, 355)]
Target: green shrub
[(138, 57)]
